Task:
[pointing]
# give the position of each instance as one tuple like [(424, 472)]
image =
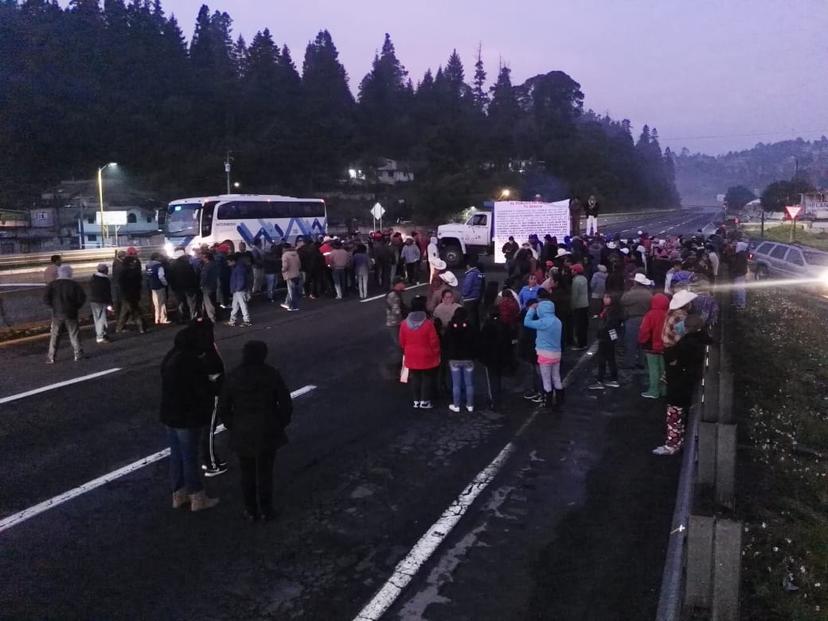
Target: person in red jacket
[(649, 337), (421, 352)]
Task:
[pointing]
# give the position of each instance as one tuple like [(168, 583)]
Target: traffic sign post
[(378, 211), (793, 212)]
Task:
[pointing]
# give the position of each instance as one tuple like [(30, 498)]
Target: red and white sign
[(793, 211)]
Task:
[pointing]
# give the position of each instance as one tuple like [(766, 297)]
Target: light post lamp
[(100, 197), (505, 193)]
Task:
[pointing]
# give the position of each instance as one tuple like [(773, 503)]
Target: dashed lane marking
[(382, 295), (46, 505), (29, 393), (407, 568)]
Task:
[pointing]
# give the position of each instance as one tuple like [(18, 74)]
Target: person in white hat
[(684, 363), (678, 312), (433, 253), (635, 303), (446, 281)]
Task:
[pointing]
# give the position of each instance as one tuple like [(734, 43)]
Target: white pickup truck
[(487, 231)]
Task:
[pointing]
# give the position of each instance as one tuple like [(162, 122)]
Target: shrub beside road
[(782, 233), (780, 358)]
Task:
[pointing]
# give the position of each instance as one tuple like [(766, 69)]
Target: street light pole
[(100, 199), (227, 170)]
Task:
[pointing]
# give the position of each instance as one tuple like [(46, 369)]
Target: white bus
[(235, 218)]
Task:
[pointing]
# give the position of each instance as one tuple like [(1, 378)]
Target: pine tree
[(481, 97)]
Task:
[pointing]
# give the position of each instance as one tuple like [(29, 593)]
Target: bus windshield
[(182, 219)]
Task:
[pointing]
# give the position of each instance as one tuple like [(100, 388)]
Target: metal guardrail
[(42, 259)]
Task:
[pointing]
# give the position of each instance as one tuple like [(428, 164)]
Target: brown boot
[(180, 498), (200, 501)]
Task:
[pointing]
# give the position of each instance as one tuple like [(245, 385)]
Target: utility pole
[(227, 161)]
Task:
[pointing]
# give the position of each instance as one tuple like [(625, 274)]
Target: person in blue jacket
[(472, 291), (529, 290), (241, 279), (547, 326)]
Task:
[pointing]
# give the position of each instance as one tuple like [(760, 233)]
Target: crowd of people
[(648, 302), (651, 302)]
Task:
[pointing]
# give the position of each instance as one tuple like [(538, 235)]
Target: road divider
[(407, 569), (77, 380), (41, 507)]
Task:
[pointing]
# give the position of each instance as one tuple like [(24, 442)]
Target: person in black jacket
[(183, 281), (65, 297), (459, 349), (256, 407), (130, 283), (609, 330), (100, 298), (495, 352), (186, 405), (684, 366), (211, 464)]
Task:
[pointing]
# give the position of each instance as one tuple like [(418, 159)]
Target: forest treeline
[(118, 81)]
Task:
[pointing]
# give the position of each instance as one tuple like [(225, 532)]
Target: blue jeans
[(632, 350), (462, 374), (185, 470), (294, 292), (271, 280), (739, 292), (340, 284)]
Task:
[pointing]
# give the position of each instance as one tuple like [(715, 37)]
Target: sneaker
[(214, 471), (538, 398), (416, 405), (285, 306), (425, 405), (665, 450), (647, 395), (246, 324), (596, 386), (470, 408), (612, 384), (293, 310), (454, 408), (232, 324), (79, 357), (50, 361), (531, 395)]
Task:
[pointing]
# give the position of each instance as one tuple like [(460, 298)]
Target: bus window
[(207, 218)]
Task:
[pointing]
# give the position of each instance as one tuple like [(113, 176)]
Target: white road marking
[(36, 391), (51, 503), (379, 297), (22, 284), (407, 568)]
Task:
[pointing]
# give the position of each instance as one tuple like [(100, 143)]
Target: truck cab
[(458, 240)]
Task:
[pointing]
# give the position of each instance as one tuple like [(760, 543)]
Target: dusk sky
[(711, 75)]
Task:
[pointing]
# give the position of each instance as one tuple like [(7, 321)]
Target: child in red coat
[(421, 351)]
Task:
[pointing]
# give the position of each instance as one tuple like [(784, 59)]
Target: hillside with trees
[(89, 84), (701, 177)]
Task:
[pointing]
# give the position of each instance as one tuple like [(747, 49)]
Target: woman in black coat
[(684, 365), (256, 406), (186, 406)]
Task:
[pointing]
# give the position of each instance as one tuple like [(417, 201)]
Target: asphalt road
[(571, 524)]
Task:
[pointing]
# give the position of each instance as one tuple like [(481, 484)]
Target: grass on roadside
[(780, 358), (782, 233)]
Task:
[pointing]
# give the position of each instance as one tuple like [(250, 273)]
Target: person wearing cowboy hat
[(684, 364), (635, 303)]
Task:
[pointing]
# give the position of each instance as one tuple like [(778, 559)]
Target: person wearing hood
[(256, 407), (738, 271), (187, 403), (580, 306), (635, 303), (508, 309), (459, 348), (679, 309), (100, 298), (684, 363), (649, 338), (597, 287), (608, 333), (420, 346), (157, 282), (65, 297), (548, 328)]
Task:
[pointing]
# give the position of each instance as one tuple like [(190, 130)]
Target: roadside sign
[(377, 211), (793, 211)]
